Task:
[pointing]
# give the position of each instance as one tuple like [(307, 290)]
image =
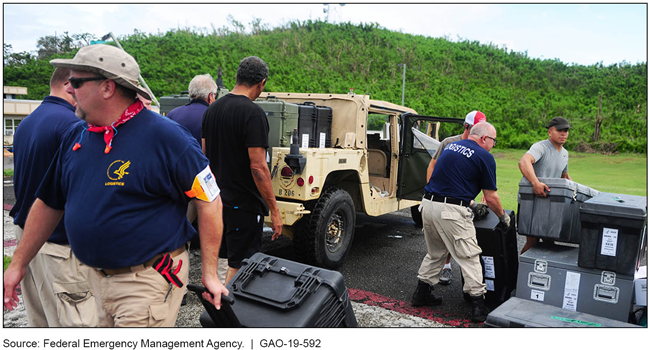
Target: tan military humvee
[(362, 172)]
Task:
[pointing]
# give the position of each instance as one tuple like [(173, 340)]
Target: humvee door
[(419, 141)]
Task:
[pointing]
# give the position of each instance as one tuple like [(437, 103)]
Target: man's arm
[(40, 224), (432, 165), (211, 223), (262, 178), (566, 176), (526, 168), (493, 201)]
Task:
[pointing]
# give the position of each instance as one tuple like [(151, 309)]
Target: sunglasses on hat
[(77, 82)]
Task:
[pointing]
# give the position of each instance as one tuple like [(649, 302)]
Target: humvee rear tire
[(325, 236), (416, 216)]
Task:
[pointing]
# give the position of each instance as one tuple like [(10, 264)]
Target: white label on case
[(536, 295), (610, 237), (489, 285), (488, 261), (571, 288), (305, 141), (321, 141)]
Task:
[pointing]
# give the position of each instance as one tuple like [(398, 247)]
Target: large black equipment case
[(613, 232), (519, 313), (274, 292), (314, 125), (499, 258), (555, 217)]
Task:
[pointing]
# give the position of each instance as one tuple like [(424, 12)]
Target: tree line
[(607, 105)]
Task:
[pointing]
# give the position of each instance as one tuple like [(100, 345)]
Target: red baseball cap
[(475, 117)]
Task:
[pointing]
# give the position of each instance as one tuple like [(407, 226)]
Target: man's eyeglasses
[(493, 139), (77, 82)]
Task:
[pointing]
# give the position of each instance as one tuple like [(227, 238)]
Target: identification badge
[(204, 186)]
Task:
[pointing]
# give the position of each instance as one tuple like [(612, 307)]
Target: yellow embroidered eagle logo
[(120, 172)]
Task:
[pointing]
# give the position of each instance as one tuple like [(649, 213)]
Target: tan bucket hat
[(108, 61)]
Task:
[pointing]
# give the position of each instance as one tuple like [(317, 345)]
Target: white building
[(14, 110)]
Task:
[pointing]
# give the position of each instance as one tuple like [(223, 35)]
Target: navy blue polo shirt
[(190, 116), (463, 169), (124, 207), (36, 141)]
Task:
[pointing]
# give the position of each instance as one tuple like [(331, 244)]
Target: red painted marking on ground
[(10, 243), (8, 206), (403, 307)]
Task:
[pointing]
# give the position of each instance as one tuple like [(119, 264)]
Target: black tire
[(416, 216), (324, 237)]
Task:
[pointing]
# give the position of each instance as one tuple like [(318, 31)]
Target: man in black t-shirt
[(235, 135)]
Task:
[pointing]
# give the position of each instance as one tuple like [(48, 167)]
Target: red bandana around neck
[(111, 130)]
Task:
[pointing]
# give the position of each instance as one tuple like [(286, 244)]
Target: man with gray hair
[(235, 138), (123, 179), (203, 91), (463, 169)]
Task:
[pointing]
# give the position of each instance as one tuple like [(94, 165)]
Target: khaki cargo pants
[(55, 289), (449, 228), (140, 298)]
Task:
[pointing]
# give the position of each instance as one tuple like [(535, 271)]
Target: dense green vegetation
[(443, 78)]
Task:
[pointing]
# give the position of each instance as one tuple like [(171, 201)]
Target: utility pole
[(403, 79)]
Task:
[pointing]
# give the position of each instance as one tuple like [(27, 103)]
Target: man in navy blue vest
[(55, 269), (203, 91)]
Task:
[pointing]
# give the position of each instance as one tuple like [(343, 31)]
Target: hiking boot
[(479, 310), (467, 297), (423, 296), (445, 278)]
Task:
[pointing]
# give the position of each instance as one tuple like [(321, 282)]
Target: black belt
[(448, 200)]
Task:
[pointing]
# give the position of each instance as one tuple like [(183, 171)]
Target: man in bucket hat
[(124, 179), (546, 158)]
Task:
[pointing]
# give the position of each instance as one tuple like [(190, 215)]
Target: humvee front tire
[(325, 236)]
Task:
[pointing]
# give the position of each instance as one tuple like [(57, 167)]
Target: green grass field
[(624, 173)]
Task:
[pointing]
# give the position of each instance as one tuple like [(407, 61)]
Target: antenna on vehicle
[(219, 79)]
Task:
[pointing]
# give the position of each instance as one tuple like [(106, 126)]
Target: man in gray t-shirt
[(546, 158)]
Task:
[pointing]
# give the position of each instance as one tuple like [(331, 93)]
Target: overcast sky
[(576, 33)]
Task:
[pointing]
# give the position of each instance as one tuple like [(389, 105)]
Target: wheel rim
[(335, 232)]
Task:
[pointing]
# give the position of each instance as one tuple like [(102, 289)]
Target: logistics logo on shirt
[(467, 152), (116, 171)]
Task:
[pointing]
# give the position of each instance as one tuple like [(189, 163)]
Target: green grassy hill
[(443, 78)]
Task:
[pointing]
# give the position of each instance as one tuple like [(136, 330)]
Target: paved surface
[(371, 310)]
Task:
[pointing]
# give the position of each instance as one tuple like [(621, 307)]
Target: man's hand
[(505, 219), (540, 189), (12, 278), (480, 210), (212, 283), (276, 221)]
